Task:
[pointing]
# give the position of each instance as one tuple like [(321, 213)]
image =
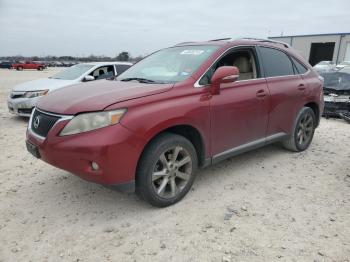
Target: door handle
[(261, 93), (301, 87)]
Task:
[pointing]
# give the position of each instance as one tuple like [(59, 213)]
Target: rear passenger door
[(286, 88)]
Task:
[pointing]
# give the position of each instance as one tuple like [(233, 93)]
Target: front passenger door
[(239, 114)]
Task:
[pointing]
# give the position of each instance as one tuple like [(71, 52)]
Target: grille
[(42, 123), (25, 110), (337, 106)]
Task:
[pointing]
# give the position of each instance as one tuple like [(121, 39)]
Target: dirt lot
[(266, 205)]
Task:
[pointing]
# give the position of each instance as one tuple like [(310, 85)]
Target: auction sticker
[(192, 52)]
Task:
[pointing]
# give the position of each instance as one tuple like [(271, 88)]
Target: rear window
[(276, 63), (300, 67)]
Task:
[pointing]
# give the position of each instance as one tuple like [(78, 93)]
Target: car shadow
[(242, 160), (74, 193), (20, 119)]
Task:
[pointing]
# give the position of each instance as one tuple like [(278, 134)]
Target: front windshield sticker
[(192, 52)]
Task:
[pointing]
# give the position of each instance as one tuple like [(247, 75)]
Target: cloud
[(83, 27)]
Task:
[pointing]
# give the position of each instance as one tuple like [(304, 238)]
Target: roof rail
[(267, 41), (182, 43), (219, 39), (213, 40)]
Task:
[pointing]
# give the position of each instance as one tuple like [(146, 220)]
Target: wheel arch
[(189, 132), (314, 106)]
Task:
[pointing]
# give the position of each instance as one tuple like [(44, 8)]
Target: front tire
[(19, 68), (166, 170), (303, 131)]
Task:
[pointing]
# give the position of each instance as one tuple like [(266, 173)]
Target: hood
[(96, 96), (336, 81), (42, 84)]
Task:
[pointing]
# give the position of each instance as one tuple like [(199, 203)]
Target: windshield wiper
[(139, 79)]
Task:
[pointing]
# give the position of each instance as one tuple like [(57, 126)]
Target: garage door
[(347, 52)]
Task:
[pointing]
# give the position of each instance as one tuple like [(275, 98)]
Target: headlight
[(91, 121), (32, 94)]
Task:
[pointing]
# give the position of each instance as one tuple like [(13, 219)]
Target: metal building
[(320, 47)]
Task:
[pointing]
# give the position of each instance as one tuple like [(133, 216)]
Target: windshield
[(338, 80), (72, 72), (169, 65)]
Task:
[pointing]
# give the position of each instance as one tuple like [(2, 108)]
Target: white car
[(324, 66), (23, 97)]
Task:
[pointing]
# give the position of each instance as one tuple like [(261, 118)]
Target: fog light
[(94, 166)]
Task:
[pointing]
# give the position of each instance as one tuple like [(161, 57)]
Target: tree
[(123, 56)]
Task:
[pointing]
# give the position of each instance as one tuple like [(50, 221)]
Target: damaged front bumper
[(336, 105)]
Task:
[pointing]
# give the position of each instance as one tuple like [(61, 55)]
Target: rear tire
[(19, 68), (40, 68), (166, 170), (303, 131)]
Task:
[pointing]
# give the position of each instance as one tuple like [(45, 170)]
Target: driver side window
[(243, 59), (103, 72)]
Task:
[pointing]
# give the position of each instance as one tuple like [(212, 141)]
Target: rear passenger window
[(121, 68), (300, 67), (276, 63)]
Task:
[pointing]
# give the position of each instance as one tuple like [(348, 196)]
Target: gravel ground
[(266, 205)]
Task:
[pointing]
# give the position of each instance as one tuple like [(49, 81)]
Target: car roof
[(228, 42)]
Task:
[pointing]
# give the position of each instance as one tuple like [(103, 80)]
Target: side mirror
[(223, 75), (88, 78)]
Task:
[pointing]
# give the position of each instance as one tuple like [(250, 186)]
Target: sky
[(107, 27)]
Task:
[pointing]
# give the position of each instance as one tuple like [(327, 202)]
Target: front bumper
[(115, 149), (21, 106), (335, 106)]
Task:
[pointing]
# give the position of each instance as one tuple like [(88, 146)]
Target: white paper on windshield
[(192, 52)]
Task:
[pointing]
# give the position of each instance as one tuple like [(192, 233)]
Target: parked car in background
[(23, 97), (325, 66), (28, 65), (6, 64), (337, 92), (178, 109), (343, 64)]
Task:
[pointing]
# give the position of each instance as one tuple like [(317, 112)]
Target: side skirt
[(248, 146)]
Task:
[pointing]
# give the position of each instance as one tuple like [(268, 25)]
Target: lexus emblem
[(36, 122)]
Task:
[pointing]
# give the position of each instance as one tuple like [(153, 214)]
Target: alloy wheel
[(305, 129), (172, 172)]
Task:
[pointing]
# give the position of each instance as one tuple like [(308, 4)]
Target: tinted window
[(121, 68), (276, 63), (301, 68)]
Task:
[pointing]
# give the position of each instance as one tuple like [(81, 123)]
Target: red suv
[(183, 107)]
